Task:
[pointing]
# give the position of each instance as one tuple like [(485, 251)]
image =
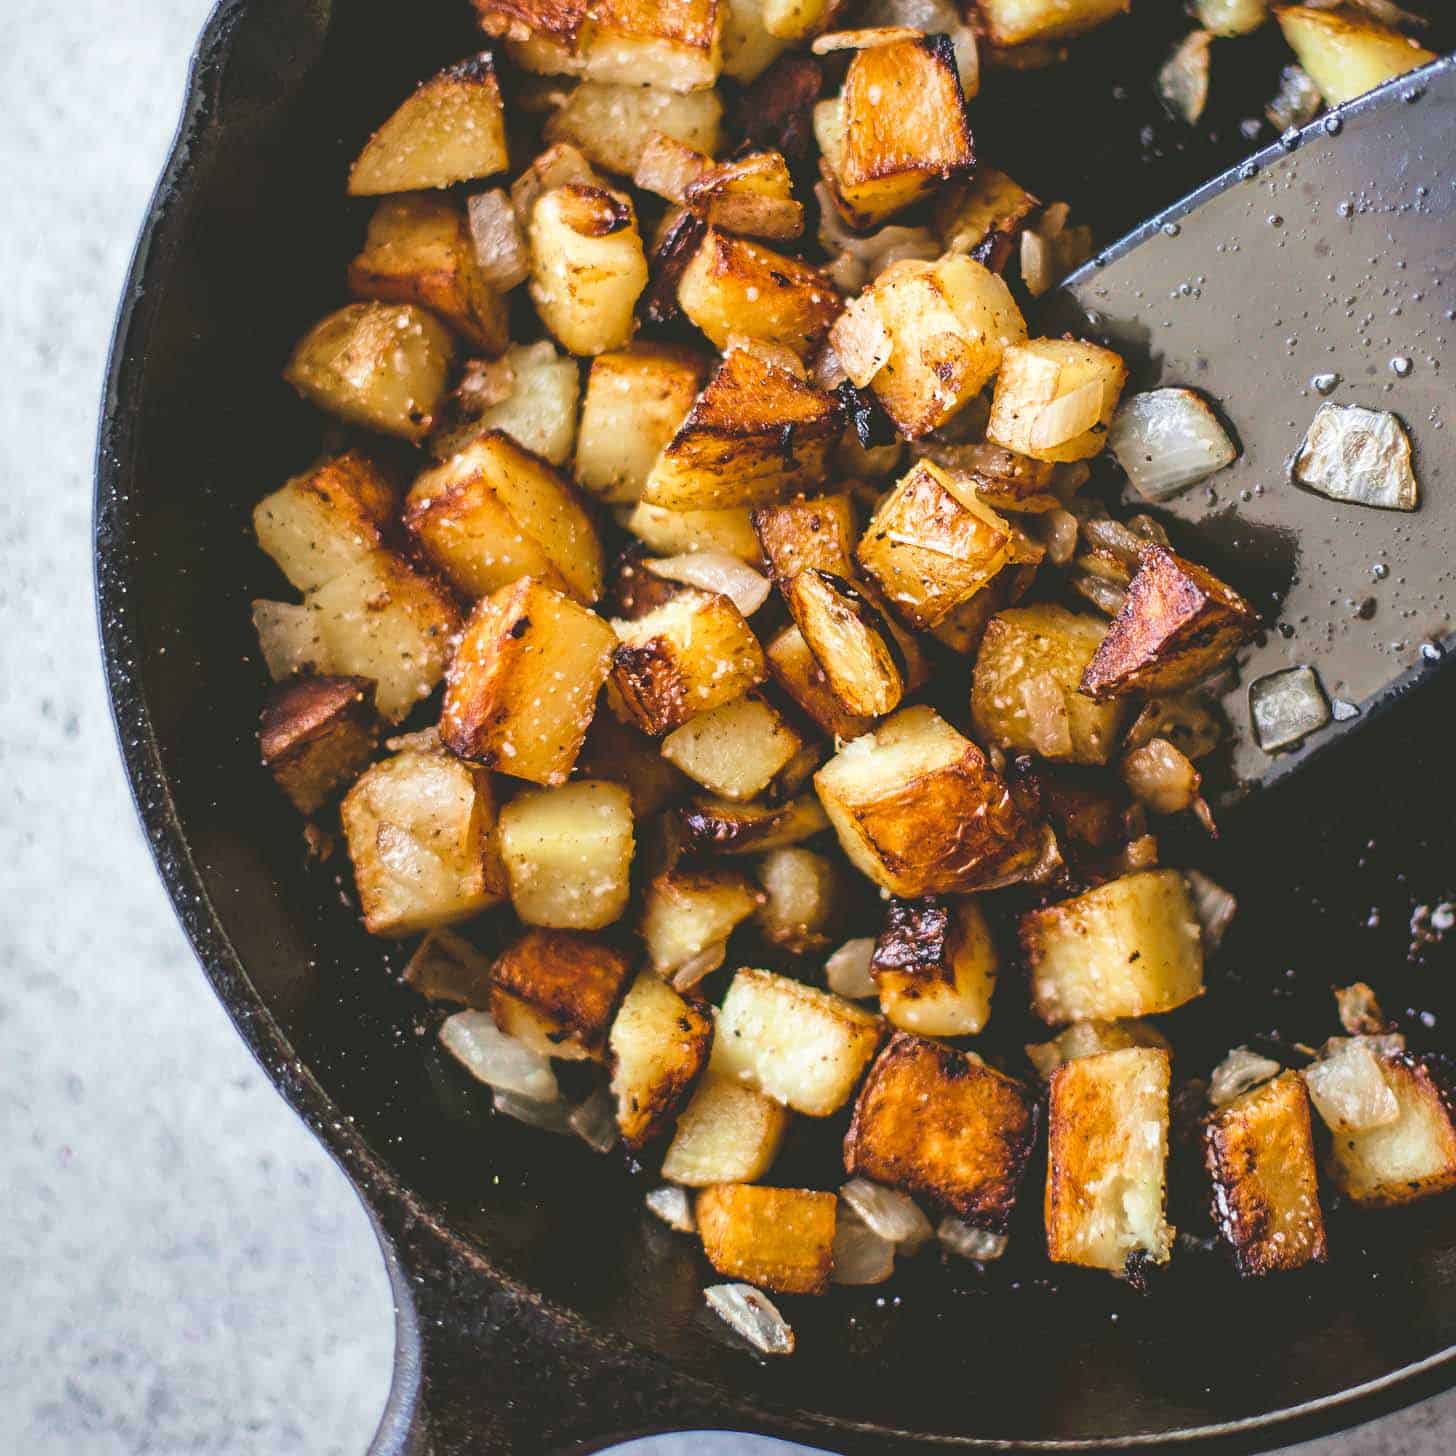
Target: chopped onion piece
[(1348, 1087), (866, 38), (1183, 79), (893, 1215), (861, 340), (1297, 101), (497, 240), (288, 637), (548, 1116), (1166, 440), (1059, 533), (1237, 1073), (716, 571), (1187, 722), (700, 966), (1049, 724), (1105, 595), (1214, 907), (668, 166), (674, 1207), (1231, 17), (751, 1313), (1287, 707), (594, 1121), (861, 1256), (967, 1241), (498, 1060), (1068, 416), (847, 971), (1160, 777), (1360, 456), (1360, 1012)]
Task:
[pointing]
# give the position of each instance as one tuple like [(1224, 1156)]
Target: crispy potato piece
[(1107, 1161), (777, 1238), (418, 828), (749, 48), (727, 828), (983, 216), (614, 124), (523, 684), (622, 755), (1088, 1038), (674, 533), (1131, 947), (1033, 658), (735, 750), (942, 1124), (797, 1044), (752, 196), (418, 250), (1055, 398), (1178, 624), (802, 897), (1345, 52), (935, 966), (851, 641), (318, 734), (726, 1134), (1259, 1154), (379, 365), (539, 412), (918, 809), (897, 129), (556, 991), (495, 513), (568, 854), (689, 910), (797, 19), (451, 129), (797, 671), (1015, 22), (808, 533), (657, 1050)]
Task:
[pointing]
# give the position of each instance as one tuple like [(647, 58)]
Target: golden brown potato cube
[(1259, 1153), (932, 544), (622, 755), (1131, 947), (754, 435), (752, 196), (1026, 693), (813, 532), (379, 365), (687, 911), (540, 35), (735, 750), (451, 129), (726, 1134), (732, 286), (1055, 398), (934, 965), (919, 810), (327, 519), (635, 400), (674, 533), (797, 1044), (694, 653), (447, 967), (417, 250), (777, 1238), (723, 827), (1107, 1161), (1179, 622), (802, 895), (1410, 1158), (657, 1050), (670, 43), (1015, 22), (418, 828), (523, 684), (897, 129), (613, 125), (318, 734), (556, 990), (495, 513), (851, 641), (982, 216), (587, 267), (1088, 1038), (942, 1124), (568, 854), (797, 671), (383, 620), (1345, 52)]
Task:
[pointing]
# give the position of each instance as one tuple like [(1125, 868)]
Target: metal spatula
[(1322, 270)]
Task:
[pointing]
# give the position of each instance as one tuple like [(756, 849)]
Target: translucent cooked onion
[(1231, 17), (500, 1061), (1348, 1087), (715, 571), (860, 259), (700, 966), (1166, 440), (861, 1256), (1160, 777), (1183, 77), (847, 971), (674, 1207), (752, 1314), (966, 1241), (1214, 907), (1048, 723), (1296, 102), (288, 637), (861, 340), (1105, 595), (1237, 1073), (1187, 722), (1359, 456), (594, 1121), (892, 1215), (1286, 707), (548, 1116), (1068, 416), (1059, 534), (497, 240)]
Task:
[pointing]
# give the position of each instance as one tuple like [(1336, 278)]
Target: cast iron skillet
[(537, 1308)]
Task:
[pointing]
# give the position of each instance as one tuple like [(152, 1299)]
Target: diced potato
[(1088, 1038), (1259, 1153), (726, 1134), (451, 129), (851, 641), (556, 991), (1030, 660), (568, 854), (1131, 947), (1345, 52), (317, 735), (935, 966), (755, 434), (1015, 22), (940, 1123), (635, 401), (495, 513), (1107, 1161), (932, 544), (539, 413), (289, 639), (693, 654), (418, 827), (418, 250), (379, 365), (523, 684), (797, 1044), (802, 898), (613, 124), (674, 533), (622, 755), (897, 129), (983, 216), (329, 518), (686, 911), (736, 750), (808, 533), (383, 620), (587, 267), (918, 809), (1178, 623), (751, 196), (657, 1050), (749, 48), (1055, 398), (797, 19), (728, 828), (797, 671), (777, 1238)]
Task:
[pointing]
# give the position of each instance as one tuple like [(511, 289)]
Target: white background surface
[(181, 1267)]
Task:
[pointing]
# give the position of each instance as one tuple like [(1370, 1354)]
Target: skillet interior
[(249, 252)]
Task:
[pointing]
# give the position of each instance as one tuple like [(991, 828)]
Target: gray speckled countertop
[(183, 1268)]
